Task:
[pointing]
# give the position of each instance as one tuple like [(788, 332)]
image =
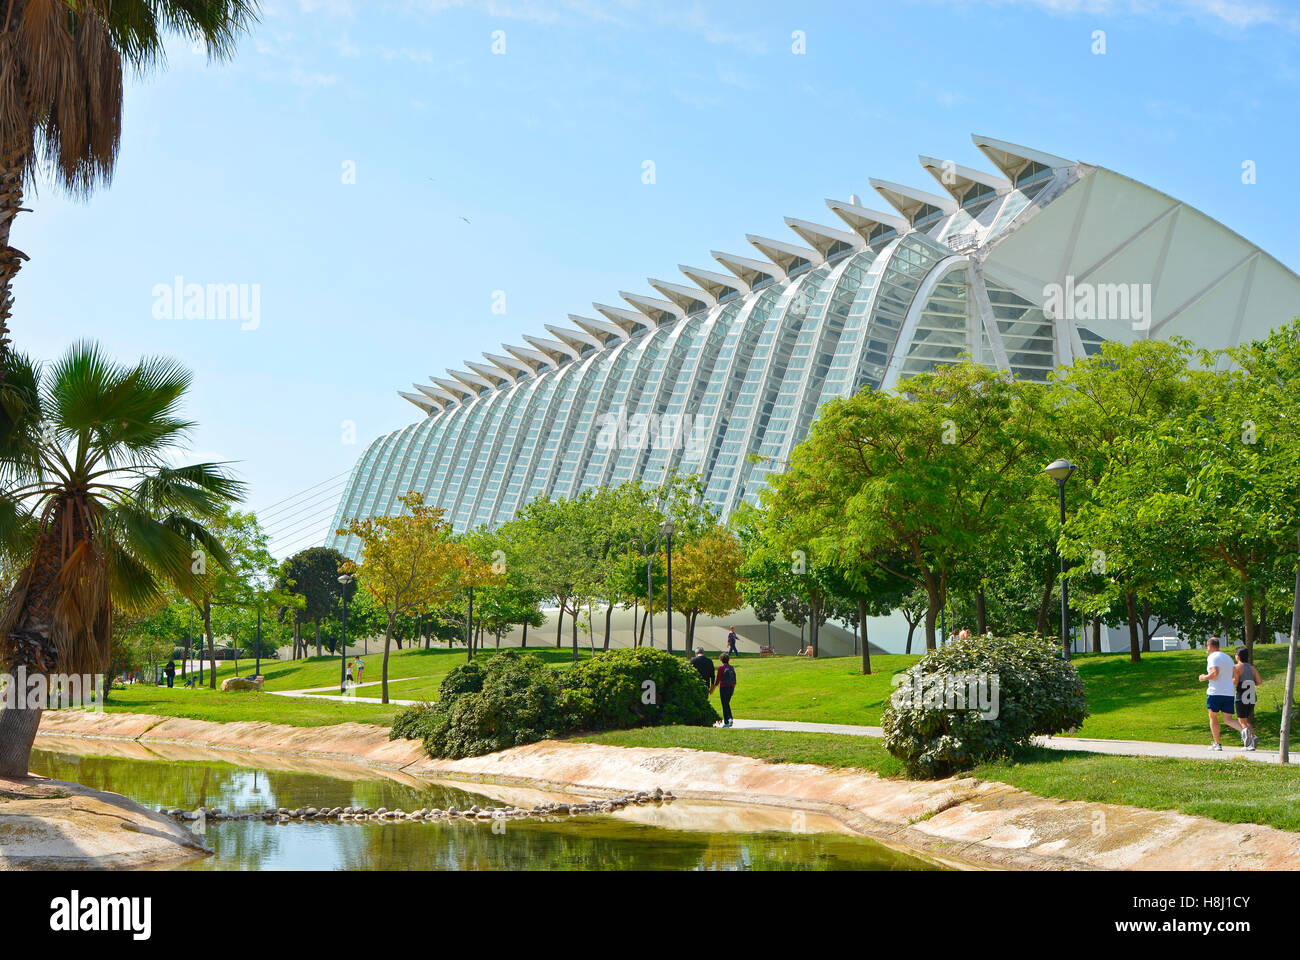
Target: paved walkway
[(318, 693), (1130, 748)]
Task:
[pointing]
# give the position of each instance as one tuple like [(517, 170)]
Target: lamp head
[(1060, 470), (666, 528)]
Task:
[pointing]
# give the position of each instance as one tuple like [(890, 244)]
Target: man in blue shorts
[(1220, 698)]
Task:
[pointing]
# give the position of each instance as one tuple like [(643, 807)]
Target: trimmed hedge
[(1030, 691), (514, 699)]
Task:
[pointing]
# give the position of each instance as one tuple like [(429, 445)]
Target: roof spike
[(909, 201), (629, 321), (718, 285), (428, 406), (787, 256), (1012, 158), (687, 298), (580, 340), (866, 223), (659, 312), (491, 373), (601, 329), (823, 239), (958, 180), (749, 270)]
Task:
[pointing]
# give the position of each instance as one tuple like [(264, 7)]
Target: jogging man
[(1219, 697), (704, 667), (725, 684), (1245, 682)]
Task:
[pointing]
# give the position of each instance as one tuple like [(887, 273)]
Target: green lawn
[(1237, 791), (232, 707), (1157, 699)]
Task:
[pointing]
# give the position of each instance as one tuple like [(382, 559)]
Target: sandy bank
[(50, 824), (982, 822)]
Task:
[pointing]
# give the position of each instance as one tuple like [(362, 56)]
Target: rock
[(240, 685)]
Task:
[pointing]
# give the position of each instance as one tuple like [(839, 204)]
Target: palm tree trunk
[(18, 728), (11, 259)]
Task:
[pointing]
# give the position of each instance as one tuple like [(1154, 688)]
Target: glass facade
[(724, 383)]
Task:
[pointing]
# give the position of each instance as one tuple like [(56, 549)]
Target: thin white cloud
[(1234, 13)]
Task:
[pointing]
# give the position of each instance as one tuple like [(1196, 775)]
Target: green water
[(600, 842)]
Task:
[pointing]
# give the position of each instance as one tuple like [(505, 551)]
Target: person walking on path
[(704, 667), (169, 672), (731, 641), (361, 669), (725, 684), (1245, 684), (1219, 697)]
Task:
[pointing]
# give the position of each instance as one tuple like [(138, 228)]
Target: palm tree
[(92, 515), (61, 67)]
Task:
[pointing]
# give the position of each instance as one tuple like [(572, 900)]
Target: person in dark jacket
[(704, 667), (169, 672), (725, 684)]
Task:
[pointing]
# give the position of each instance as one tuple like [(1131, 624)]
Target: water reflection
[(588, 843)]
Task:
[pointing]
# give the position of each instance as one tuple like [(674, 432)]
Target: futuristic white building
[(1022, 269)]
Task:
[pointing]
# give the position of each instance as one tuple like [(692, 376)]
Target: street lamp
[(345, 580), (1061, 471), (666, 531)]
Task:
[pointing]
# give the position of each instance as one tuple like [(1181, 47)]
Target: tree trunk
[(1248, 617), (318, 638), (911, 629), (17, 734), (640, 640), (559, 624), (11, 259), (1145, 623), (573, 624), (981, 613), (1044, 608), (609, 614), (866, 643), (932, 609), (525, 643), (212, 646), (1096, 634), (388, 636), (1134, 653)]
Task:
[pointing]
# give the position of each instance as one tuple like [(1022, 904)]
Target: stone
[(240, 685)]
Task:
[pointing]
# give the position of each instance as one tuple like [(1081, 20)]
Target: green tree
[(61, 80), (91, 512)]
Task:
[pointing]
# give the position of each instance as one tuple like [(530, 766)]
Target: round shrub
[(640, 688), (516, 699), (978, 699)]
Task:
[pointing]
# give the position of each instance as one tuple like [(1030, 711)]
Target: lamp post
[(345, 580), (1061, 471), (666, 531)]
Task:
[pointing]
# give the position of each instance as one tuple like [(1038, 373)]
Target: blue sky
[(521, 172)]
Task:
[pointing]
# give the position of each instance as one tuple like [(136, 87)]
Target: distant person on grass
[(1245, 683), (725, 684), (731, 640), (169, 672), (361, 669), (704, 667), (1219, 696)]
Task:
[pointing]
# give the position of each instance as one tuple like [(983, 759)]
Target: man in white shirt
[(1219, 695)]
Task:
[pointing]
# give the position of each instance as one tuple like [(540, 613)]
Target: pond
[(684, 835)]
